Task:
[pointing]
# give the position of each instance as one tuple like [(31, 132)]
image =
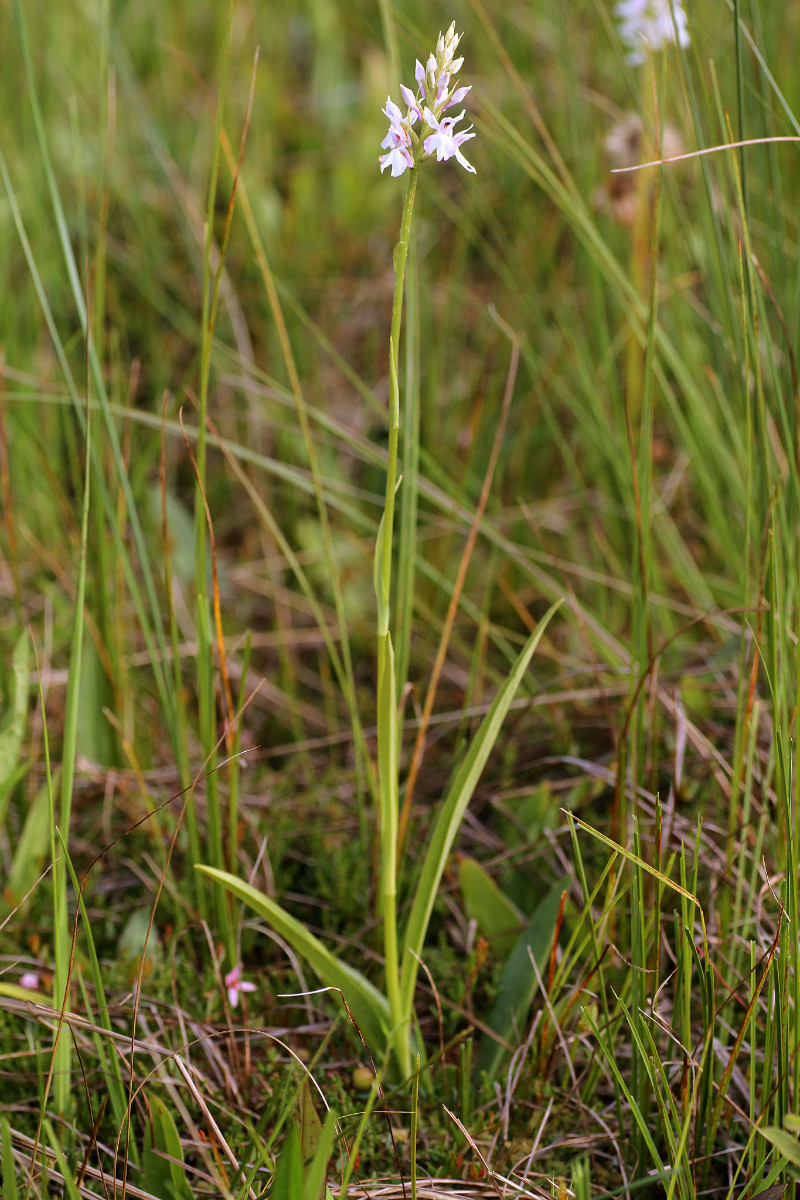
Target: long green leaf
[(785, 1143), (499, 920), (9, 1170), (369, 1007), (162, 1161), (30, 849), (518, 981), (70, 1188), (12, 731), (314, 1186), (288, 1181), (452, 814)]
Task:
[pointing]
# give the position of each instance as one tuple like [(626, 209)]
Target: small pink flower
[(414, 110), (235, 984), (445, 142), (30, 980), (396, 142)]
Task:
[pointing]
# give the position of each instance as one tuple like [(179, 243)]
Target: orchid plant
[(386, 1018)]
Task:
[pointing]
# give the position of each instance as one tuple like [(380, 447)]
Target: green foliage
[(518, 982), (303, 1160), (384, 1028), (9, 1171), (649, 473), (498, 918), (12, 725), (162, 1159), (288, 1183)]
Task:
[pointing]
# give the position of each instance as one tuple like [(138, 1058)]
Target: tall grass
[(199, 412)]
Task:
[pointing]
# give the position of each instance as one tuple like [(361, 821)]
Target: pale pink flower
[(444, 142), (235, 984), (397, 142), (30, 980)]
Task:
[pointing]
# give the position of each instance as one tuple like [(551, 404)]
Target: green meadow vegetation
[(399, 586)]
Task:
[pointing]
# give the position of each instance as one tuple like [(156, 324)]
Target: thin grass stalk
[(640, 1122), (174, 636), (234, 767), (769, 1061), (737, 43), (674, 1128), (152, 633), (639, 405), (390, 41), (595, 934), (682, 1008), (414, 1127), (754, 1034), (62, 1050), (342, 663), (638, 976), (353, 1150), (206, 699)]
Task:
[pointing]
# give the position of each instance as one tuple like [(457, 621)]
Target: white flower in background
[(656, 22), (407, 147)]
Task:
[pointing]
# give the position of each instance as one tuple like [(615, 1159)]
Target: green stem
[(387, 692), (385, 544)]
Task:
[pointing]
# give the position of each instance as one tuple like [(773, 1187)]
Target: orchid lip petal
[(466, 165), (399, 159)]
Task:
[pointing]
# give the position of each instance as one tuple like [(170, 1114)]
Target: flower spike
[(436, 92)]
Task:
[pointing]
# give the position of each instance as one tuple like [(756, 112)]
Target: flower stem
[(384, 548), (387, 691)]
